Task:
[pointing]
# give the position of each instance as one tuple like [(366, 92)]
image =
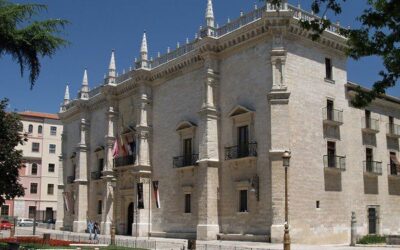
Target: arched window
[(40, 129), (34, 169), (30, 128)]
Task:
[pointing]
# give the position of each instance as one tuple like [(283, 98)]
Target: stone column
[(108, 174), (60, 196), (141, 223), (207, 179), (81, 201)]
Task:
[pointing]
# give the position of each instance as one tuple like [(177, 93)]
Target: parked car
[(5, 225), (25, 222)]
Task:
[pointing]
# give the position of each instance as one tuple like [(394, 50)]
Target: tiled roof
[(39, 115)]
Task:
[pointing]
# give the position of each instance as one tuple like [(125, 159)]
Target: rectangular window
[(99, 207), (33, 188), (243, 141), (243, 201), (329, 109), (53, 130), (32, 211), (331, 152), (369, 157), (5, 210), (34, 169), (50, 189), (35, 146), (101, 164), (187, 151), (52, 148), (328, 68), (367, 119), (187, 203), (391, 125), (393, 164), (51, 167)]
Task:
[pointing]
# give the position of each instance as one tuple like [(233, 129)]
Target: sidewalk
[(178, 244)]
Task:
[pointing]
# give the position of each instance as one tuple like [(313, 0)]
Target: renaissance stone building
[(190, 144)]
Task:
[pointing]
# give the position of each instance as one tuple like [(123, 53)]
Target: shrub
[(372, 239), (38, 241)]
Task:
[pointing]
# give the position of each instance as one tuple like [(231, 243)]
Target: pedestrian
[(90, 227), (96, 229)]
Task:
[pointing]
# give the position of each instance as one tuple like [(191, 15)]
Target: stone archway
[(129, 220)]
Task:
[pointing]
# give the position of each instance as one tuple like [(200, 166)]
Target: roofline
[(39, 115), (353, 86)]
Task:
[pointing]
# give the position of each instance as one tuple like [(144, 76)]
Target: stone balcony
[(125, 161), (333, 117), (372, 167), (185, 161), (370, 125), (393, 130), (241, 151), (335, 162)]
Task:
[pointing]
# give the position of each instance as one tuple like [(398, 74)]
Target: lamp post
[(286, 237), (113, 185)]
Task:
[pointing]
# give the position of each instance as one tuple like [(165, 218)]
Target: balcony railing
[(70, 179), (241, 151), (373, 167), (125, 161), (393, 130), (335, 162), (185, 161), (333, 116), (370, 125), (393, 170), (96, 175)]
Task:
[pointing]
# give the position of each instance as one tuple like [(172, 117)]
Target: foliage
[(10, 158), (378, 35), (372, 239), (25, 39)]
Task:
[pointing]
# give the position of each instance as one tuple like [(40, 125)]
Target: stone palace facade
[(190, 144)]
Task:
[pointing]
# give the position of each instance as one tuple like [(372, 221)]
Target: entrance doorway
[(130, 219), (49, 214), (372, 220)]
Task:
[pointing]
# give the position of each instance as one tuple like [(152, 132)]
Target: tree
[(27, 40), (10, 158), (378, 35)]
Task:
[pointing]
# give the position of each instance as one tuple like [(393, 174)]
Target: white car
[(25, 222)]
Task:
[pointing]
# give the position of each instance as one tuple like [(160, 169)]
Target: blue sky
[(98, 26)]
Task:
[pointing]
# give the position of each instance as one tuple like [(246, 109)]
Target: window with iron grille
[(53, 130), (50, 188), (35, 146), (52, 167), (34, 169), (52, 148), (243, 201)]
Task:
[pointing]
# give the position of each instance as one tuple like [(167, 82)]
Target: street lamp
[(286, 237), (113, 185)]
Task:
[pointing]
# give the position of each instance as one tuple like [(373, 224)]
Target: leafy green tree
[(378, 35), (10, 158), (26, 39)]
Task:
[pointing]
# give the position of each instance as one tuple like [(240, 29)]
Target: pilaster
[(141, 226), (60, 190), (207, 180), (109, 141)]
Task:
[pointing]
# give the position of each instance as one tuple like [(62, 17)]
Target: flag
[(156, 193), (115, 149), (66, 204), (140, 202), (123, 148)]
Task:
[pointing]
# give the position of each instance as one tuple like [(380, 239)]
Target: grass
[(372, 239)]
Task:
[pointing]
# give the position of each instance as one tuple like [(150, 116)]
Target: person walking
[(96, 229), (90, 227)]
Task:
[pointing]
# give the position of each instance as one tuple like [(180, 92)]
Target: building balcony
[(373, 167), (393, 130), (393, 170), (96, 175), (335, 162), (241, 151), (70, 179), (370, 125), (332, 116), (185, 161), (125, 161)]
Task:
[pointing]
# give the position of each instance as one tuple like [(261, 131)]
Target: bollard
[(353, 229)]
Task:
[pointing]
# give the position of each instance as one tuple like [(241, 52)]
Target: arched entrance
[(130, 219)]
